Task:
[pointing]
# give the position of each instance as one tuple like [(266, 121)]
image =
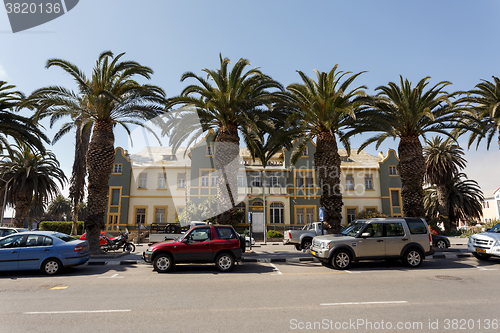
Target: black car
[(440, 242)]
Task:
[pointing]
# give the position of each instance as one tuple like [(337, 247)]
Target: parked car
[(302, 239), (5, 231), (247, 241), (440, 242), (219, 244), (408, 239), (485, 244), (48, 251)]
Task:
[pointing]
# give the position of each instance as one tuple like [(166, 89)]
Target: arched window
[(277, 213)]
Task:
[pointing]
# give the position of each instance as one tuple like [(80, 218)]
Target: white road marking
[(486, 269), (351, 272), (66, 312), (365, 303), (111, 277), (276, 269)]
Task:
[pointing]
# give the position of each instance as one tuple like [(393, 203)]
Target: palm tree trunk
[(327, 167), (100, 159), (77, 189), (226, 155), (444, 215), (23, 204), (411, 167)]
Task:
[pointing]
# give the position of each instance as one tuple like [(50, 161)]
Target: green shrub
[(61, 226), (274, 234)]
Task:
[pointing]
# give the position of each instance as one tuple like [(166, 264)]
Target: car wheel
[(242, 244), (481, 256), (129, 247), (224, 262), (51, 266), (163, 263), (341, 259), (441, 244), (298, 248), (413, 258), (306, 244)]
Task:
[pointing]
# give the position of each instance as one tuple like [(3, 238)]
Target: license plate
[(84, 248), (313, 253), (481, 250)]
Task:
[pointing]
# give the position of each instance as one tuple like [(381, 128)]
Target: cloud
[(3, 74)]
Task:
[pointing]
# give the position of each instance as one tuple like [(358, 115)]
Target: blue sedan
[(48, 251)]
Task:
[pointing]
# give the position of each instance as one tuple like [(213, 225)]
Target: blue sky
[(455, 41)]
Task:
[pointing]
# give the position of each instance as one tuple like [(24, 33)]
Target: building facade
[(154, 186)]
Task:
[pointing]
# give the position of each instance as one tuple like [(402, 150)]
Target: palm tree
[(32, 177), (464, 197), (109, 98), (407, 113), (482, 111), (227, 108), (323, 110), (60, 206), (443, 161), (57, 102), (16, 127)]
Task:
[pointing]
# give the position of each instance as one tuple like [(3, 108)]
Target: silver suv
[(408, 239)]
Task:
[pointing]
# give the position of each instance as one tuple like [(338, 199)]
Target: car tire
[(163, 263), (129, 247), (224, 262), (441, 244), (341, 259), (298, 247), (481, 256), (51, 266), (413, 258), (243, 244), (306, 244)]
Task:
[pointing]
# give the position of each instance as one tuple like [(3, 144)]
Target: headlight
[(150, 249), (325, 245), (471, 240), (497, 243)]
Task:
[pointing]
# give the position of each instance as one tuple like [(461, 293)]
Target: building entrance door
[(258, 222)]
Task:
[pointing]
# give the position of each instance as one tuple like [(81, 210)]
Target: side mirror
[(488, 229), (365, 234)]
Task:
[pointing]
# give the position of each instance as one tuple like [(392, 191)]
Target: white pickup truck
[(302, 239), (485, 245)]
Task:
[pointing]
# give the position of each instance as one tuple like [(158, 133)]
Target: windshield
[(352, 229), (496, 228)]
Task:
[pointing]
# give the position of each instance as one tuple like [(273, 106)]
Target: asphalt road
[(443, 295)]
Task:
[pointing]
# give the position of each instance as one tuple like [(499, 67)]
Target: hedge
[(61, 226)]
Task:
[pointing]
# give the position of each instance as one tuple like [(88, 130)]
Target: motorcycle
[(117, 242)]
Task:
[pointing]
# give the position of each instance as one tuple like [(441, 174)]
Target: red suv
[(202, 244)]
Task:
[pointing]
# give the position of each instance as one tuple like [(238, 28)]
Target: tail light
[(289, 235), (78, 248), (430, 239)]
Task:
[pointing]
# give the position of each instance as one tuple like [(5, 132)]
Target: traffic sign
[(321, 211)]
